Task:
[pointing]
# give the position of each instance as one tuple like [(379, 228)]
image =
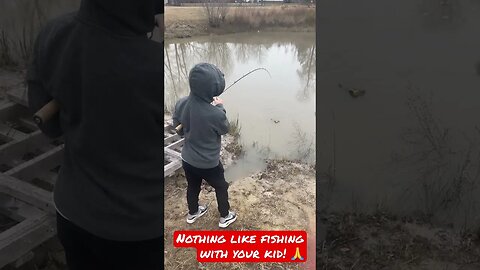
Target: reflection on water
[(410, 145), (252, 162), (275, 114)]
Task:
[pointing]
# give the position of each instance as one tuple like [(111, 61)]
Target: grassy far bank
[(193, 21)]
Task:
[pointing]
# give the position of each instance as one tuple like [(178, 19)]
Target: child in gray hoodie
[(204, 121)]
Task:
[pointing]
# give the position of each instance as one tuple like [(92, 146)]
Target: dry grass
[(234, 128), (191, 14), (6, 57), (192, 21), (283, 16)]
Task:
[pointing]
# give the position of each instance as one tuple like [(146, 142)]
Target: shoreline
[(191, 21)]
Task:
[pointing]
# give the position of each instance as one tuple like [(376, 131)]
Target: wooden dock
[(172, 148), (29, 163)]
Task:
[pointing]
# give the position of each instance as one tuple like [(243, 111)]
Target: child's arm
[(177, 113), (221, 124), (218, 102)]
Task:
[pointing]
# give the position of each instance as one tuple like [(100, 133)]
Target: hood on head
[(206, 81), (128, 17)]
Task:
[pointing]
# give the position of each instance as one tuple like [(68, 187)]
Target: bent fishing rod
[(51, 108), (179, 127)]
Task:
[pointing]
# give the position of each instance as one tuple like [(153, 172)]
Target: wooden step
[(172, 167), (9, 110), (29, 124), (17, 148), (176, 145), (30, 169), (18, 95), (33, 228), (27, 192), (12, 133), (25, 236), (171, 138)]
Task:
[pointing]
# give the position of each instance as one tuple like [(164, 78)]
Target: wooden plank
[(18, 95), (27, 192), (176, 145), (172, 153), (17, 241), (28, 170), (5, 139), (171, 138), (12, 133), (172, 167), (25, 236), (29, 124), (172, 142), (169, 159), (17, 209), (49, 177), (9, 110), (16, 149)]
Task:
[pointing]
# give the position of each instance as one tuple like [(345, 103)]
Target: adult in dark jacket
[(107, 76)]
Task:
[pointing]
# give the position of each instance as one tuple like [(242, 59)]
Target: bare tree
[(446, 171), (216, 11)]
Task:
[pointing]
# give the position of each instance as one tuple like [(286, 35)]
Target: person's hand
[(216, 101)]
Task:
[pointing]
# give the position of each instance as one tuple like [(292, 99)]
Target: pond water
[(411, 144), (276, 114)]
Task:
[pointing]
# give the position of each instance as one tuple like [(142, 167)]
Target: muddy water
[(409, 145), (276, 114)]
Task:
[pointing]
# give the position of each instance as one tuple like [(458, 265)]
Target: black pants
[(85, 251), (215, 177)]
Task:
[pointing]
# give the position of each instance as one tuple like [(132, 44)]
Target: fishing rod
[(246, 74), (51, 108), (179, 127)]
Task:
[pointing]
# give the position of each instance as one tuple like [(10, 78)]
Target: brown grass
[(190, 14), (6, 56), (188, 21), (283, 16)]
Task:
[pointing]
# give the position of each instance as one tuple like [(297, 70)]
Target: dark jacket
[(203, 124), (107, 77)]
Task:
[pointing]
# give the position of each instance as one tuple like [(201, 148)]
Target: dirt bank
[(190, 21), (280, 197), (383, 241)]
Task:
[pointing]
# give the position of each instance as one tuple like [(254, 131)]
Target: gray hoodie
[(203, 124)]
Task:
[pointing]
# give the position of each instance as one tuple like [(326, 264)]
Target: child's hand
[(216, 101)]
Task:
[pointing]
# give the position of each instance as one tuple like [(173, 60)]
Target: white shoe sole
[(190, 221), (226, 224)]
